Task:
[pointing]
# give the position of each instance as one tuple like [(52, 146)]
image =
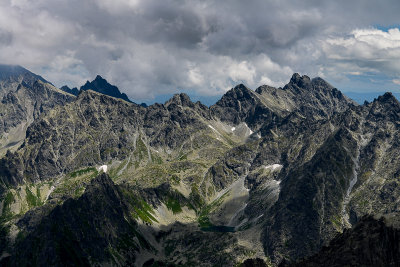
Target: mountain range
[(293, 176)]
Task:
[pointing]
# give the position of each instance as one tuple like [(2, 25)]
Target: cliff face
[(24, 97)]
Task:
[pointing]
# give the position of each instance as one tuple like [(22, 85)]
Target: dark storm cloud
[(154, 47)]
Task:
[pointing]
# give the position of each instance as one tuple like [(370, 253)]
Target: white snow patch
[(245, 220), (242, 130), (52, 188), (239, 183), (218, 134), (248, 130), (240, 210), (103, 168), (258, 136), (125, 166), (212, 128), (274, 167), (50, 191)]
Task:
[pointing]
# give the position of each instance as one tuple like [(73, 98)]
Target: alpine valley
[(292, 176)]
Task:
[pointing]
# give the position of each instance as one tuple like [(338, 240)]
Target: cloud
[(363, 51), (206, 47), (396, 81)]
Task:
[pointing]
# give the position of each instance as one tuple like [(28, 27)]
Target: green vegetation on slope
[(203, 219), (81, 172), (31, 199), (173, 205), (7, 214), (141, 210), (74, 184)]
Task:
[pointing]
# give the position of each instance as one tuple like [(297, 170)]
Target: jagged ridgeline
[(260, 177)]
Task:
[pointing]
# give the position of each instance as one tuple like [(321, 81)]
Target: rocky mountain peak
[(385, 105), (11, 70), (300, 81), (181, 99), (16, 73), (240, 104), (241, 88), (388, 98), (101, 85), (102, 183), (239, 92), (99, 78)]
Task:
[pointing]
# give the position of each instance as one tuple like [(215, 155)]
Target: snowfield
[(274, 167), (103, 168)]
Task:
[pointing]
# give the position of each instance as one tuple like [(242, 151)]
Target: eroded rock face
[(25, 96)]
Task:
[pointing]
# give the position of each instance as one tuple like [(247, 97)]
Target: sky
[(152, 48)]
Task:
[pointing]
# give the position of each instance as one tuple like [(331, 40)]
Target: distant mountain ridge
[(100, 85), (12, 72), (73, 91), (360, 98)]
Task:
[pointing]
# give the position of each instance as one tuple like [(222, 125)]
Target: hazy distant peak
[(14, 72), (74, 91), (100, 85)]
